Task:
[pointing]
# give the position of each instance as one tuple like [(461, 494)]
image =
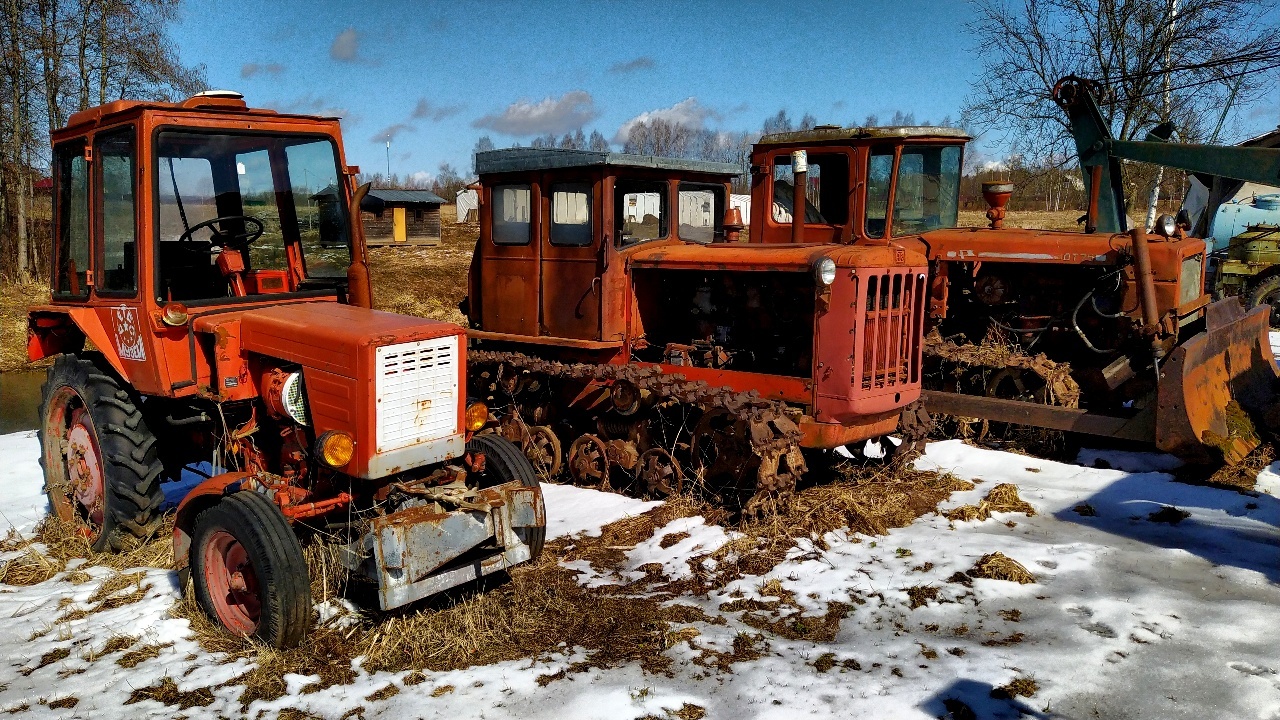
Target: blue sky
[(436, 76)]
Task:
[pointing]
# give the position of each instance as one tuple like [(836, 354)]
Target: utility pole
[(1154, 200)]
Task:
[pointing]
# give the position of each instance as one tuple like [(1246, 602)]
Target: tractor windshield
[(928, 192), (274, 198)]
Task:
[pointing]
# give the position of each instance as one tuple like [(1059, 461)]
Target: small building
[(401, 217)]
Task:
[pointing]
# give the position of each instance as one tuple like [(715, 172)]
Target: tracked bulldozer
[(1104, 332)]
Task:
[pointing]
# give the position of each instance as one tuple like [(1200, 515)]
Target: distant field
[(422, 281)]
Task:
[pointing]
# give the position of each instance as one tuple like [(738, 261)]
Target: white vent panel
[(417, 392)]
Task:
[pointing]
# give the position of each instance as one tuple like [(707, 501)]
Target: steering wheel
[(221, 240)]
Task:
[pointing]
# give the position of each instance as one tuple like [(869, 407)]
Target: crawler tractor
[(211, 316), (623, 337), (1106, 332)]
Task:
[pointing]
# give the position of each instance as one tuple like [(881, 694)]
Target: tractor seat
[(188, 272)]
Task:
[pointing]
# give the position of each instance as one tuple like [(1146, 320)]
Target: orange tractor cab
[(1105, 332), (623, 335), (211, 314)]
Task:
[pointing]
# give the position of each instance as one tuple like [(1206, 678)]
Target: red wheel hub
[(84, 467), (232, 583)]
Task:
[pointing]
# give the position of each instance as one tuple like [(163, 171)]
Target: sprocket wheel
[(542, 447), (660, 472), (589, 461)]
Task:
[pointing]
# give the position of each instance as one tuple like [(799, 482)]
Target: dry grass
[(1018, 687), (998, 566), (62, 542), (15, 297), (426, 281), (166, 692), (1002, 498)]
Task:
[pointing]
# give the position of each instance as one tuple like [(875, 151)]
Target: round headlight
[(477, 416), (293, 399), (336, 448), (1165, 225), (825, 271)]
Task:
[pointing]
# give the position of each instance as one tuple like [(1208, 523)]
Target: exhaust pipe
[(359, 286), (800, 175)]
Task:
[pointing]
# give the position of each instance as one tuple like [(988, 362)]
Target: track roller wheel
[(542, 447), (249, 573), (589, 461), (660, 472)]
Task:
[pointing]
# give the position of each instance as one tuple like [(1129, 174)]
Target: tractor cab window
[(119, 222), (879, 178), (248, 215), (71, 252), (702, 211), (511, 211), (928, 189), (640, 211), (826, 194), (571, 214)]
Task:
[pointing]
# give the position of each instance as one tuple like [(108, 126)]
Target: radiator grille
[(417, 392), (887, 351)]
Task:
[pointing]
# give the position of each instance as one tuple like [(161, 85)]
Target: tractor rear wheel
[(99, 457), (504, 463), (250, 576)]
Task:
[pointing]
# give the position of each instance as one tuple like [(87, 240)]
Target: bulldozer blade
[(1213, 386)]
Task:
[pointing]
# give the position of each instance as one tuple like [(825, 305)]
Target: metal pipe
[(1095, 188), (1147, 288), (359, 287), (800, 174)]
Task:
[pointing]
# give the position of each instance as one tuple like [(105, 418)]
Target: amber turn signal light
[(336, 448), (174, 314), (477, 416)]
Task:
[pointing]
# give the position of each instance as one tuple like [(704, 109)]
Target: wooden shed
[(401, 217)]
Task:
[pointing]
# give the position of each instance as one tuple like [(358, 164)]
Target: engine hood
[(329, 336), (759, 256)]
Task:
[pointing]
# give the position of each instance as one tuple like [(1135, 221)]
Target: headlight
[(335, 448), (825, 271), (293, 399), (477, 416), (1165, 225)]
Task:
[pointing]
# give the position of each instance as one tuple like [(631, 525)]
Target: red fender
[(201, 498)]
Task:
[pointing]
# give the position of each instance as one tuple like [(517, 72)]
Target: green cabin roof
[(523, 159)]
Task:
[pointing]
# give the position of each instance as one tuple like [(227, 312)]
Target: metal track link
[(772, 436)]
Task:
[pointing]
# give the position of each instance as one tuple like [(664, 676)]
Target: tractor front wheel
[(99, 458), (503, 463), (250, 576)]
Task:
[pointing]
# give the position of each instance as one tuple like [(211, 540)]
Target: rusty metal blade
[(1212, 384)]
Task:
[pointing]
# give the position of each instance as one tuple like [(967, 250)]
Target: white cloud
[(346, 47), (427, 111), (550, 115), (423, 177), (688, 112), (644, 62), (390, 132), (248, 70), (315, 105)]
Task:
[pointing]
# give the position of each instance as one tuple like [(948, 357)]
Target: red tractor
[(1105, 332), (622, 335), (211, 315)]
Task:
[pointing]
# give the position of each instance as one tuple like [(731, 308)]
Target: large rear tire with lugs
[(250, 575), (503, 463), (99, 457), (1267, 292)]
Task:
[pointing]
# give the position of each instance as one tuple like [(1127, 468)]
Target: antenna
[(388, 160)]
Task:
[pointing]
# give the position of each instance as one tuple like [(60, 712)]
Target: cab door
[(509, 256), (571, 250)]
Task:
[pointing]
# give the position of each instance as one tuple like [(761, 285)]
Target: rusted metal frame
[(1095, 187), (1138, 427), (288, 216)]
